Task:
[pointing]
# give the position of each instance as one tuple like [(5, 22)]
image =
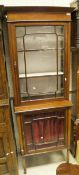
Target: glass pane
[(60, 89), (20, 31), (60, 42), (42, 85), (41, 61), (60, 30), (20, 44), (61, 60), (21, 63), (23, 89), (40, 29), (40, 41)]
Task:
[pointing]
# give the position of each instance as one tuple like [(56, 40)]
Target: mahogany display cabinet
[(39, 48), (8, 161), (75, 74)]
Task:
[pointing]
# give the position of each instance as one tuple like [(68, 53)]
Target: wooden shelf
[(41, 49), (30, 75), (43, 105)]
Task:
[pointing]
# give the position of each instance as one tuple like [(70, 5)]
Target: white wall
[(35, 2)]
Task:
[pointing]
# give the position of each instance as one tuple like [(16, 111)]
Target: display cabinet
[(39, 48), (75, 73), (8, 162)]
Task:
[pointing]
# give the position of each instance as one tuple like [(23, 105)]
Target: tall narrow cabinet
[(75, 73), (39, 48), (8, 162)]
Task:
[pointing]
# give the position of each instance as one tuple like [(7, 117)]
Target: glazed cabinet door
[(38, 58), (44, 130)]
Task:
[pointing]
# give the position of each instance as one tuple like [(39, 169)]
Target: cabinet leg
[(24, 165), (68, 152), (68, 133)]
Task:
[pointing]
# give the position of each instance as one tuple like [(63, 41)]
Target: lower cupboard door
[(5, 156), (44, 130)]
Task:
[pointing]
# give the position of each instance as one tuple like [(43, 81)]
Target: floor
[(45, 164)]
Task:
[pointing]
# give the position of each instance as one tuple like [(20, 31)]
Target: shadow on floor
[(44, 159)]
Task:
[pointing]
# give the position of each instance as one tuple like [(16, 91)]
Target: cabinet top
[(18, 13), (52, 9), (28, 13)]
